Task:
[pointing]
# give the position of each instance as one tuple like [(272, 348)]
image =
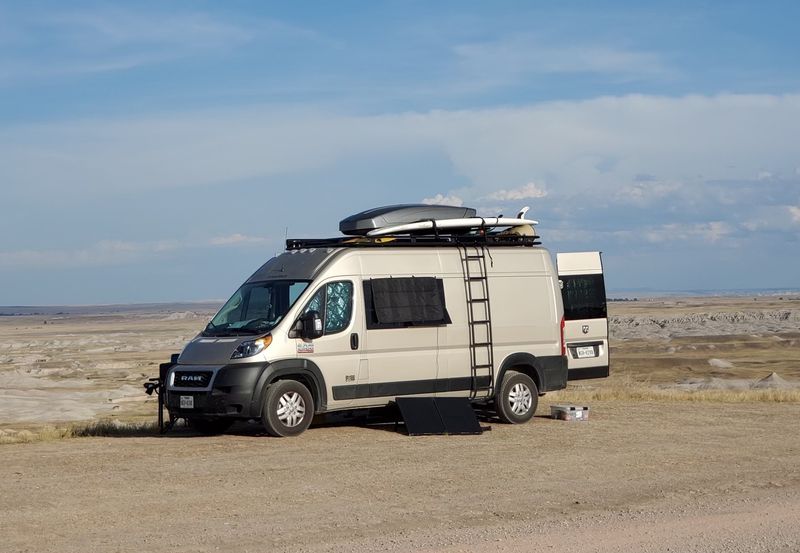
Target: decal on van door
[(305, 347)]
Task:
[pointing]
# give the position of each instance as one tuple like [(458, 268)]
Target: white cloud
[(572, 235), (529, 191), (600, 152), (115, 252), (510, 59), (774, 219), (710, 232), (105, 252), (643, 192), (234, 239), (439, 199), (571, 145), (714, 231), (115, 38)]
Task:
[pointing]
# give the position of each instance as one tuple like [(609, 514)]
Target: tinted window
[(403, 302), (334, 302), (338, 306), (584, 297)]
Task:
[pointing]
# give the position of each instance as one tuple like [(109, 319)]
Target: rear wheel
[(517, 399), (288, 408), (209, 426)]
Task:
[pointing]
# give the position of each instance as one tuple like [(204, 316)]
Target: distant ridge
[(104, 309), (734, 292)]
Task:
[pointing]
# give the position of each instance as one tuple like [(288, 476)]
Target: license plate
[(584, 352), (187, 402)]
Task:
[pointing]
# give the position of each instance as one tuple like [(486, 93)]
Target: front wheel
[(517, 399), (288, 409)]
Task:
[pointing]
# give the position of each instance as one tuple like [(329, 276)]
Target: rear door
[(586, 316)]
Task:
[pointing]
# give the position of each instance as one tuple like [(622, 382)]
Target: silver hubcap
[(520, 399), (291, 409)]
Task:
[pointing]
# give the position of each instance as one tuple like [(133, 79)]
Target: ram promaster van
[(413, 301)]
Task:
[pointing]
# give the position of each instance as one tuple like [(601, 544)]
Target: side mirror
[(311, 325)]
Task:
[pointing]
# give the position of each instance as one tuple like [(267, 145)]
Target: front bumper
[(226, 391)]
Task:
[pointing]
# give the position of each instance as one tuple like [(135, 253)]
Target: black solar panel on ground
[(438, 415)]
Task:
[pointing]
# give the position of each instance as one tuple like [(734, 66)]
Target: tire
[(517, 399), (288, 409), (209, 426)]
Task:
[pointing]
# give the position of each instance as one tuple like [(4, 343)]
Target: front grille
[(191, 379)]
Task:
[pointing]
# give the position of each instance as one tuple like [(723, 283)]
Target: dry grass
[(45, 434), (622, 390), (107, 428), (632, 392), (116, 429)]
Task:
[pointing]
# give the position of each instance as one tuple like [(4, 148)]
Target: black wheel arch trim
[(520, 359), (549, 372), (274, 370)]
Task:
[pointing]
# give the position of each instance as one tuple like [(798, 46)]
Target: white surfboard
[(448, 224)]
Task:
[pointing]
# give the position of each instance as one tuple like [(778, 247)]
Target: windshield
[(255, 308)]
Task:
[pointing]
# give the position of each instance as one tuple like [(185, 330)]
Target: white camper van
[(432, 308)]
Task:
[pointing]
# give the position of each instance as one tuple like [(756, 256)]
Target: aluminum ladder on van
[(479, 320)]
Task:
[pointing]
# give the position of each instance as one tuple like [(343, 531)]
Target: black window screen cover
[(584, 297), (417, 301)]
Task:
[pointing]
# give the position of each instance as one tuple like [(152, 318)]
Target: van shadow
[(386, 419)]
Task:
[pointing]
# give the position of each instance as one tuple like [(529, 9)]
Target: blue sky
[(156, 151)]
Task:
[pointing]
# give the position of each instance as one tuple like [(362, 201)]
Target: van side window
[(584, 297), (404, 302), (334, 302)]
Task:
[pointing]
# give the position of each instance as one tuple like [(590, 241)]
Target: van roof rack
[(504, 240), (425, 225)]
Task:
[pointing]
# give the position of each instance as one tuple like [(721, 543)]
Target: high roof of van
[(293, 265)]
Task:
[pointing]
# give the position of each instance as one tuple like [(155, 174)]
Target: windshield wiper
[(227, 330), (211, 329), (243, 330), (234, 332), (263, 323)]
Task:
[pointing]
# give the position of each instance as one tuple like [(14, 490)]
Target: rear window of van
[(584, 297)]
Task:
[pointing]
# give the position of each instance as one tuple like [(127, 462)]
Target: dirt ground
[(637, 476), (680, 477)]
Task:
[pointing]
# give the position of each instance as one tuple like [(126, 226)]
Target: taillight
[(563, 343)]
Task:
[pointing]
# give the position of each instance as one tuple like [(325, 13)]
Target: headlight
[(252, 347)]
